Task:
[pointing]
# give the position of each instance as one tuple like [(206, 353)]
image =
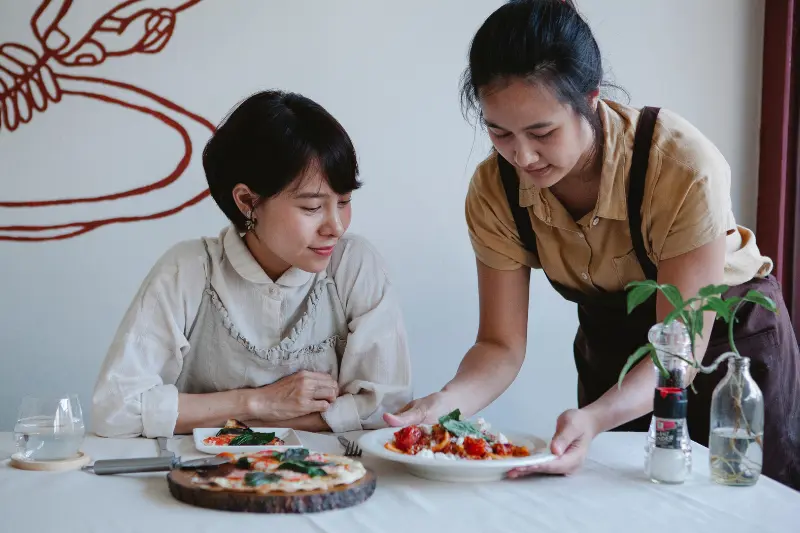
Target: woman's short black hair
[(268, 141), (543, 41)]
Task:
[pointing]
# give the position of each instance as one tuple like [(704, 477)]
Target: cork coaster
[(73, 463)]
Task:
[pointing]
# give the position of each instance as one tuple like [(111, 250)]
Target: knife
[(150, 464)]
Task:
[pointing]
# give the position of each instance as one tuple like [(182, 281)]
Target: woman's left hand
[(575, 430)]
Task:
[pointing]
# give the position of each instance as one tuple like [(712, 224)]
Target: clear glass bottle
[(736, 439), (669, 456), (670, 340)]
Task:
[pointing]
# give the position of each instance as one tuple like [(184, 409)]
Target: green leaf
[(453, 415), (759, 299), (243, 463), (253, 438), (732, 303), (657, 362), (674, 314), (462, 428), (633, 359), (304, 467), (719, 306), (673, 295), (294, 454), (698, 323), (638, 296), (254, 479), (712, 290)]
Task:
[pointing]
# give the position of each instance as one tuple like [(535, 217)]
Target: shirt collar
[(247, 267), (612, 199)]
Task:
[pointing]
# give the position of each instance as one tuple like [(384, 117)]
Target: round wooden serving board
[(341, 497)]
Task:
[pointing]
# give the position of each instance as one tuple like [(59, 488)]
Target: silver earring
[(250, 222)]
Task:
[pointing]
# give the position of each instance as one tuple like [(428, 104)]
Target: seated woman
[(282, 320)]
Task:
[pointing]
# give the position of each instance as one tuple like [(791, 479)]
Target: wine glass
[(49, 428)]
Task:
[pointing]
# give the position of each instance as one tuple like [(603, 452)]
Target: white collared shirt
[(218, 280)]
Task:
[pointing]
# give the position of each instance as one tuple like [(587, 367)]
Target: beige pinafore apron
[(220, 358)]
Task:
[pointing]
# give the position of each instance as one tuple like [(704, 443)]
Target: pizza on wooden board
[(236, 433), (292, 470), (454, 438)]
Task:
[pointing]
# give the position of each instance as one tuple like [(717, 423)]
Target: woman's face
[(299, 227), (543, 138)]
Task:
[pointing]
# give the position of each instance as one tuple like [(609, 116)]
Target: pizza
[(292, 470), (454, 438), (236, 433)]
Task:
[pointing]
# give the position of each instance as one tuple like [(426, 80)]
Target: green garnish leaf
[(254, 479), (453, 415), (253, 439), (294, 454), (463, 428), (312, 468), (243, 463)]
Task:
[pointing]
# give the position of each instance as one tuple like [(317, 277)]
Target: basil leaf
[(462, 428), (294, 454), (243, 463), (254, 479), (253, 439), (454, 415), (304, 467)]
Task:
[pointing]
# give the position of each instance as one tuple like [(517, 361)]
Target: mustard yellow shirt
[(686, 205)]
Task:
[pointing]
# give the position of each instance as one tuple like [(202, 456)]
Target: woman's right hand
[(425, 410), (292, 396)]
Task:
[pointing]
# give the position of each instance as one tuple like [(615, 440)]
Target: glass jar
[(736, 439)]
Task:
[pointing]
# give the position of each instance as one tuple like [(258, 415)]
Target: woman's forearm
[(620, 405), (485, 373), (211, 410)]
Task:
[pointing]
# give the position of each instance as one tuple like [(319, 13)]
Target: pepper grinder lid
[(670, 402)]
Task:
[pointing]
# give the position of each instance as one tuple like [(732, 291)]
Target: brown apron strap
[(636, 182), (521, 217)]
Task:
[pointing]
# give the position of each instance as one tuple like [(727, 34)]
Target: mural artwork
[(31, 82)]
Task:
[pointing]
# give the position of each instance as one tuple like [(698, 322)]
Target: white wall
[(389, 71)]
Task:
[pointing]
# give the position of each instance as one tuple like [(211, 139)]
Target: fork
[(351, 449)]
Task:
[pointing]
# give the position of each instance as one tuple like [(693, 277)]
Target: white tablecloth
[(609, 494)]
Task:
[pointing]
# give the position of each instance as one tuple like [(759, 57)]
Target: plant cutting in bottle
[(728, 468)]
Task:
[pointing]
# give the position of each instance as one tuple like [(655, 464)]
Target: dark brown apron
[(607, 334)]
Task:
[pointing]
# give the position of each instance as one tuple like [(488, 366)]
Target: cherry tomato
[(407, 437), (475, 447)]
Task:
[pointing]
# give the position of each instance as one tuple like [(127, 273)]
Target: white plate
[(457, 470), (287, 435)]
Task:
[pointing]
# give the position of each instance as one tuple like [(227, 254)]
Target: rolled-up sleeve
[(375, 371), (135, 393)]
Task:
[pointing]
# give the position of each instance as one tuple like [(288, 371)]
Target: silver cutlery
[(351, 449), (150, 464)]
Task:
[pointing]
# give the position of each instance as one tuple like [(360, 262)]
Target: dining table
[(610, 493)]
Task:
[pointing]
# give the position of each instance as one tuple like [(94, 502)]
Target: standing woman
[(599, 194)]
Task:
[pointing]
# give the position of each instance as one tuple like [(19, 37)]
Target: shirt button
[(585, 276), (595, 220), (273, 291)]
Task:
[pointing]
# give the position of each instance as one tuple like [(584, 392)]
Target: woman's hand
[(293, 396), (575, 430), (425, 410)]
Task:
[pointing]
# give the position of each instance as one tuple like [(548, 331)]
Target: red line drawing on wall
[(30, 82)]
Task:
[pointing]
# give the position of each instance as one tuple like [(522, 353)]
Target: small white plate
[(287, 435), (457, 470)]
